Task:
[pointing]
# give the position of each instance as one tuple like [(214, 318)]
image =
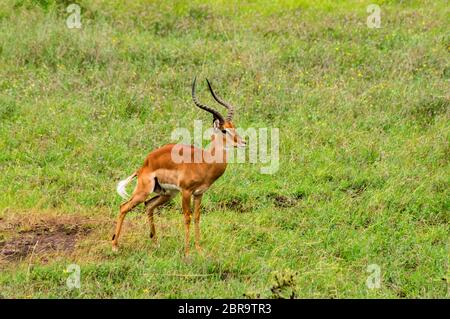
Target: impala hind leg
[(139, 196), (197, 202), (186, 204), (151, 204)]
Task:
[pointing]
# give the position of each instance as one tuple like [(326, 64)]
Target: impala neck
[(219, 151)]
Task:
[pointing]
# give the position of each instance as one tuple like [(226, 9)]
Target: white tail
[(121, 186)]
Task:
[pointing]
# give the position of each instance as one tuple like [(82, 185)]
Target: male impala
[(163, 173)]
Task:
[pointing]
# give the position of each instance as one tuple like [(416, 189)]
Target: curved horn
[(216, 114), (220, 101)]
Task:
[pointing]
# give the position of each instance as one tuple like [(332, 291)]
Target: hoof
[(187, 259), (155, 243), (199, 251), (115, 249)]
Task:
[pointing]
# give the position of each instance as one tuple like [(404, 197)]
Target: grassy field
[(364, 147)]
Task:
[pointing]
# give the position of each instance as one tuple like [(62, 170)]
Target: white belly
[(173, 189), (200, 191), (170, 187)]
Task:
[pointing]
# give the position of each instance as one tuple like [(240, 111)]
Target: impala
[(165, 176)]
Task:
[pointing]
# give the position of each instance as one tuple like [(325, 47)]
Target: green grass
[(364, 144)]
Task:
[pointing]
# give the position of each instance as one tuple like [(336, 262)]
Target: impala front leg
[(186, 203), (197, 202)]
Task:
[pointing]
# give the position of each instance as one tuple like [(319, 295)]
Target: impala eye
[(224, 131)]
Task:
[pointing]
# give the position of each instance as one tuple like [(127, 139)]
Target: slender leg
[(151, 204), (143, 189), (186, 203), (197, 202), (124, 209)]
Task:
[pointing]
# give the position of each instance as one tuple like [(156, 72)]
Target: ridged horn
[(222, 102), (204, 107)]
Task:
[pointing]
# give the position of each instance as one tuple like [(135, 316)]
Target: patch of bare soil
[(42, 236), (235, 204), (285, 201)]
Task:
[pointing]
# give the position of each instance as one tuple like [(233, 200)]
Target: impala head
[(223, 127)]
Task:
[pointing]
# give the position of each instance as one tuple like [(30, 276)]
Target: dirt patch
[(44, 236), (235, 204), (285, 201)]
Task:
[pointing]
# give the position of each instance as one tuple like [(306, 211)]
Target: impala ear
[(216, 124)]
